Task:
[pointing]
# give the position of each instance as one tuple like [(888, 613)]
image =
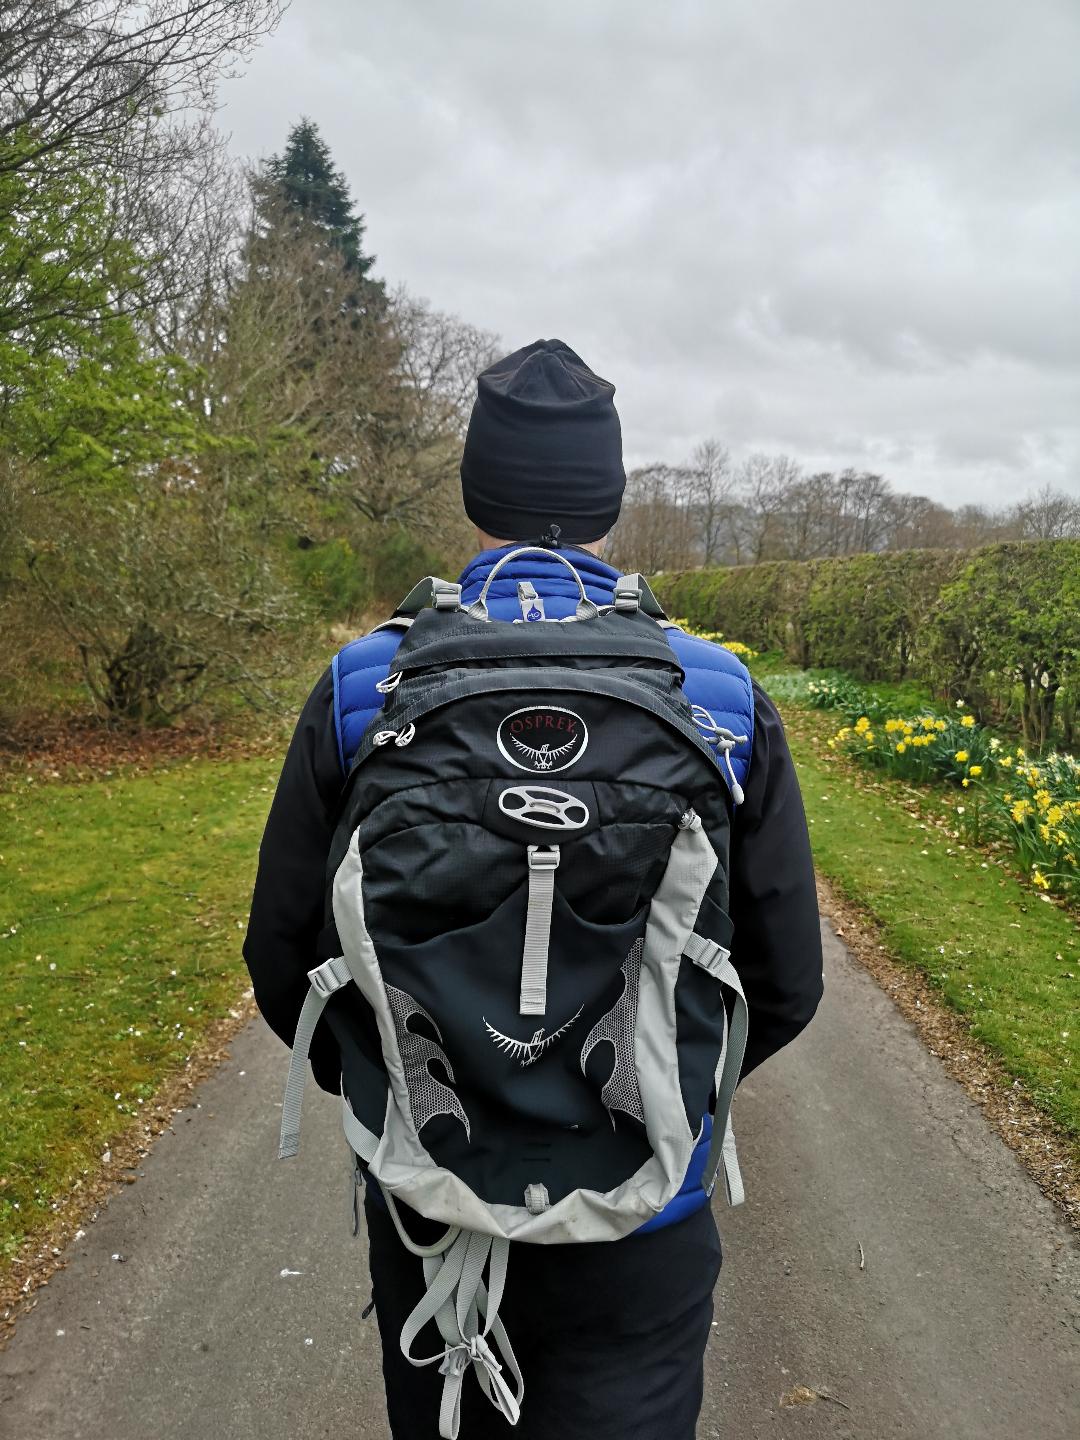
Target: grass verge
[(124, 901), (1006, 960)]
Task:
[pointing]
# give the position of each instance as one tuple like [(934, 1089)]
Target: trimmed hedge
[(997, 627)]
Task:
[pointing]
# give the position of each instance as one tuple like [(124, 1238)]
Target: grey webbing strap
[(586, 609), (543, 862), (325, 979), (442, 594), (722, 1145), (633, 593), (456, 1299)]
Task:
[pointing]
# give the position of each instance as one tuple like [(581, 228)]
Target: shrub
[(998, 627)]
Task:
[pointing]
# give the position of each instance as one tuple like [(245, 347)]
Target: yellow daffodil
[(961, 756), (975, 771), (967, 721), (1040, 880)]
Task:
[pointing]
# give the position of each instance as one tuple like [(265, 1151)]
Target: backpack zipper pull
[(723, 741)]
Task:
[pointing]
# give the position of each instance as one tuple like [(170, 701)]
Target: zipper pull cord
[(723, 741)]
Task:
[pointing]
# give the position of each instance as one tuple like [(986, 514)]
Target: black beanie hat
[(543, 453)]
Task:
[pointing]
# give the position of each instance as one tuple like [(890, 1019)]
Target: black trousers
[(610, 1338)]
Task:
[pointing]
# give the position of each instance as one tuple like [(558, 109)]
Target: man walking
[(614, 1333)]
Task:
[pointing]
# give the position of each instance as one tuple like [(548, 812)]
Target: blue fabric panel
[(357, 670), (691, 1196)]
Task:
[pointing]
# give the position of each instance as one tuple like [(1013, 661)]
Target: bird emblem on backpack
[(528, 1051), (543, 756)]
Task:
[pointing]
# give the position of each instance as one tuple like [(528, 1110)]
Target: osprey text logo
[(543, 738)]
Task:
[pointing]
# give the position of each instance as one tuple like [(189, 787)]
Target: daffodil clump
[(1032, 806), (923, 747), (736, 647), (1042, 808)]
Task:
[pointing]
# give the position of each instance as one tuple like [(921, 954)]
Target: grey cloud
[(847, 231)]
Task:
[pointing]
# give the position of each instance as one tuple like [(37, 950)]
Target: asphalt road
[(219, 1298)]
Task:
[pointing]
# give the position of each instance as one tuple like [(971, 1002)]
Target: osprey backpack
[(527, 890)]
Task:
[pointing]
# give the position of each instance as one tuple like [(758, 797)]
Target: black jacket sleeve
[(286, 920), (777, 944)]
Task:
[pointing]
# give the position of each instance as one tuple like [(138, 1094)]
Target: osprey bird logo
[(528, 1051), (544, 757)]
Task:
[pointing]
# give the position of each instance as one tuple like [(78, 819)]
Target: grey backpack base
[(532, 985)]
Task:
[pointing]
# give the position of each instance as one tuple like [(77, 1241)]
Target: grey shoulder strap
[(633, 593), (441, 594)]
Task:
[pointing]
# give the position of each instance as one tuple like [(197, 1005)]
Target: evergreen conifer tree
[(306, 180)]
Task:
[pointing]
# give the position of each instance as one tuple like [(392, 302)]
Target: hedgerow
[(998, 627)]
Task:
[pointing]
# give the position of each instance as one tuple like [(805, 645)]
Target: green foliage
[(1012, 618), (333, 577), (78, 392), (998, 628), (344, 579)]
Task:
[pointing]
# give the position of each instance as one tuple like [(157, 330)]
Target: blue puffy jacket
[(714, 679)]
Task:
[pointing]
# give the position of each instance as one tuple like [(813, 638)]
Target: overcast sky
[(843, 230)]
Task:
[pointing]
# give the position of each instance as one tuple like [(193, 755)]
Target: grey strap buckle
[(537, 1199), (443, 594), (627, 595), (633, 593), (543, 857), (331, 975), (706, 953)]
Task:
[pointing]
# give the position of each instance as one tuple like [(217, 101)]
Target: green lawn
[(122, 907), (1006, 959)]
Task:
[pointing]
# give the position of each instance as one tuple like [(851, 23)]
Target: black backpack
[(528, 886)]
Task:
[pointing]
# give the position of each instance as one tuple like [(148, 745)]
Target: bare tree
[(85, 74), (766, 482), (1048, 514), (657, 529), (441, 356), (711, 484)]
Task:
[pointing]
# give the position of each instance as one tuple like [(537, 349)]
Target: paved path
[(964, 1324)]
